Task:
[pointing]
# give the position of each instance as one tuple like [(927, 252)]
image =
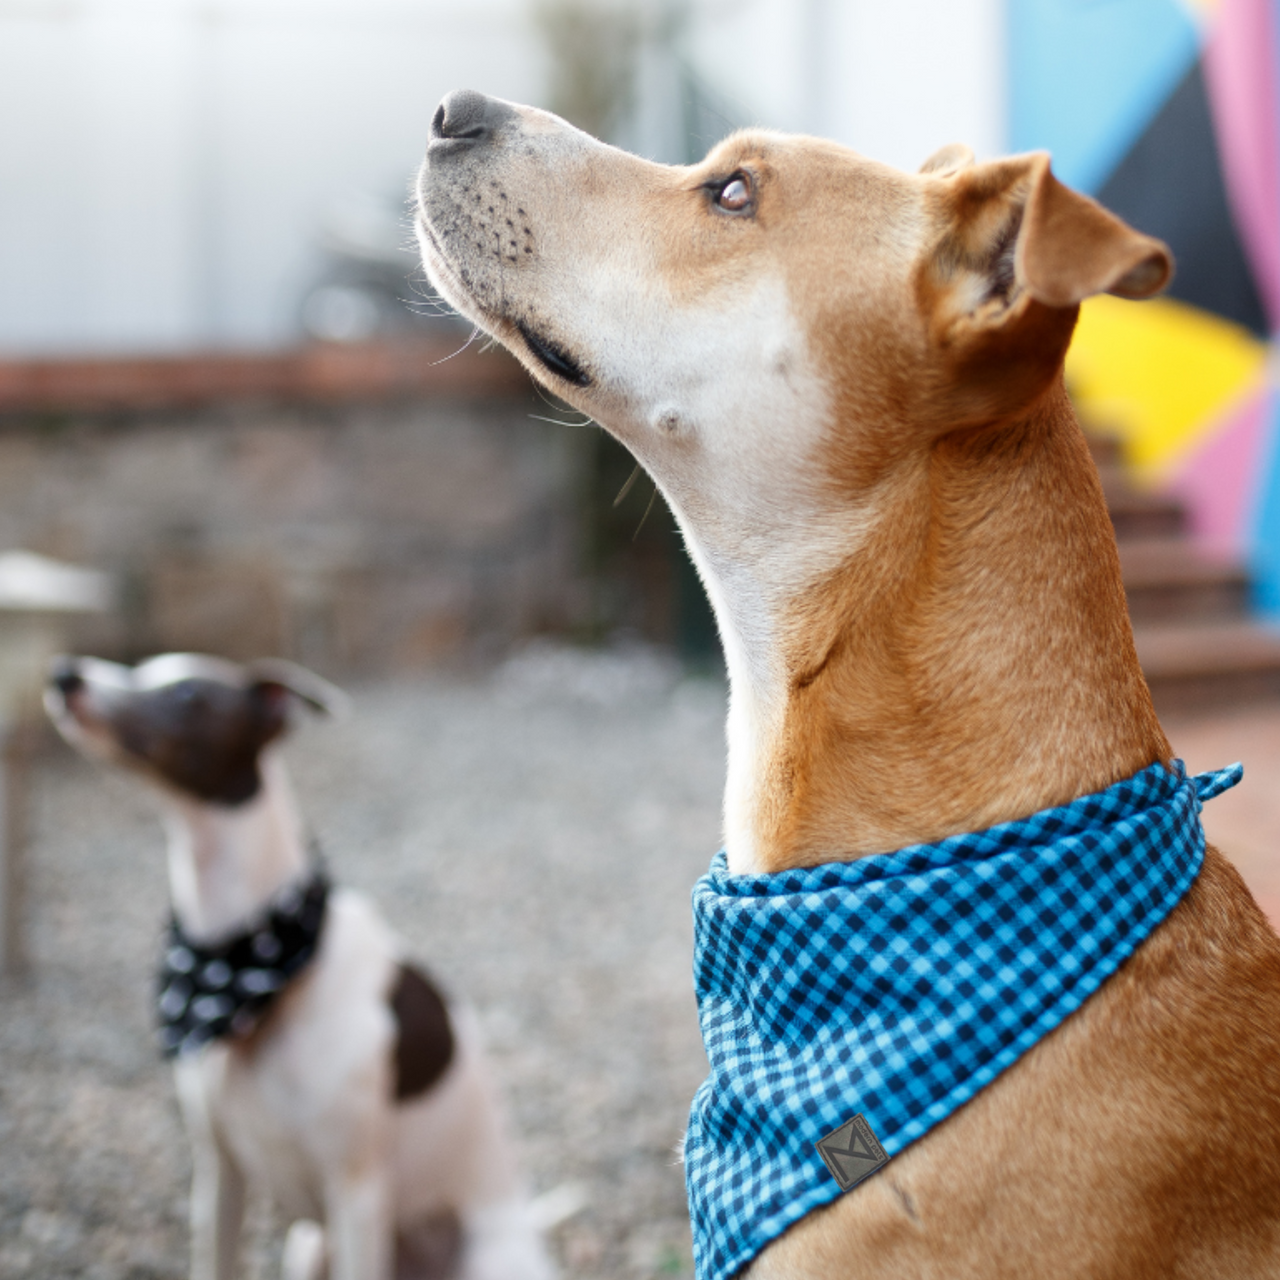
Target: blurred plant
[(594, 48), (642, 581)]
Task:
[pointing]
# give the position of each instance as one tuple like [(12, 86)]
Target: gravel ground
[(533, 834)]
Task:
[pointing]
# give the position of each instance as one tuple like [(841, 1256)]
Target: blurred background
[(234, 419), (221, 371), (217, 352), (219, 363)]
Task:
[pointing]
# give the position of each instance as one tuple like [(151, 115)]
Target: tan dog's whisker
[(627, 486)]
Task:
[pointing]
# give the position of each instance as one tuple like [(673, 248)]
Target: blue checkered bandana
[(898, 985)]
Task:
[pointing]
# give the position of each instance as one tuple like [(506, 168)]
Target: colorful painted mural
[(1169, 113)]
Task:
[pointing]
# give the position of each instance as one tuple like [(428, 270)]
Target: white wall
[(894, 79), (165, 164)]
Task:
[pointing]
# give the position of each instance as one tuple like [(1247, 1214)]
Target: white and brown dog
[(847, 381), (311, 1057)]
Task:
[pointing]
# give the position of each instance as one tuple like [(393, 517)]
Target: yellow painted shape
[(1203, 9), (1160, 374)]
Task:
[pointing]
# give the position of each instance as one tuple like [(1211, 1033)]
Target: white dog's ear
[(304, 685), (1013, 233), (955, 155)]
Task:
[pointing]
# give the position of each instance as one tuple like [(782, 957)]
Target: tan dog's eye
[(735, 195)]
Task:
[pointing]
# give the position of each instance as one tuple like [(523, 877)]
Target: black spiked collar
[(206, 991)]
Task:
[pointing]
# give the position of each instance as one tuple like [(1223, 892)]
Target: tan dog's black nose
[(465, 117)]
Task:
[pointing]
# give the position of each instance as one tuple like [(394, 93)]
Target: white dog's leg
[(305, 1252), (359, 1226), (217, 1210), (502, 1243), (217, 1185)]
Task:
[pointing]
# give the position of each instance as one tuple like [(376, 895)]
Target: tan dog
[(848, 382)]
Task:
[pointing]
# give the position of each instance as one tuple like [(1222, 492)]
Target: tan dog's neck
[(970, 662)]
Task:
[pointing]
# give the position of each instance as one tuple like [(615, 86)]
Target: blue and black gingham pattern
[(899, 985)]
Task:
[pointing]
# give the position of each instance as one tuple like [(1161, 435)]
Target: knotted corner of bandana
[(846, 1009)]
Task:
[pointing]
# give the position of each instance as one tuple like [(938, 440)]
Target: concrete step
[(1135, 513), (1189, 605), (1171, 579), (1107, 450), (1195, 666)]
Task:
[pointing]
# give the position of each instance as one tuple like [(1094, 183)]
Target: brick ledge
[(323, 372)]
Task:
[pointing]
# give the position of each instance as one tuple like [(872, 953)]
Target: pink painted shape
[(1270, 904), (1240, 72), (1219, 482)]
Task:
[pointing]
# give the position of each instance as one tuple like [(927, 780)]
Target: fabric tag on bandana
[(852, 1153)]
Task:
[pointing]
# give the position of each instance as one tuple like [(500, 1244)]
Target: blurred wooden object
[(37, 596), (324, 373)]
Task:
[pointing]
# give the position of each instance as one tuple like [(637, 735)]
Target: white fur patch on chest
[(730, 414)]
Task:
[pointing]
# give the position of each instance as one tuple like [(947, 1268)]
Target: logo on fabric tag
[(852, 1153)]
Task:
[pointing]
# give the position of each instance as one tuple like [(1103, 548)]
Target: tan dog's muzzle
[(500, 224)]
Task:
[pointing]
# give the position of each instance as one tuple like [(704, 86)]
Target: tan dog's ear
[(955, 155), (1017, 233), (1071, 248), (1015, 252)]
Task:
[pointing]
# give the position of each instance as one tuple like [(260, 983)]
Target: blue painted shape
[(1264, 539), (1086, 77), (1264, 548)]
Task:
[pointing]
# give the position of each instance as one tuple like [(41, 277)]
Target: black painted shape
[(1170, 185), (424, 1034), (852, 1152)]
